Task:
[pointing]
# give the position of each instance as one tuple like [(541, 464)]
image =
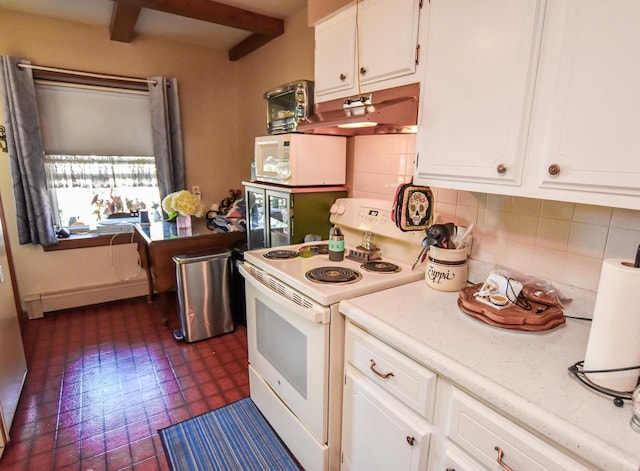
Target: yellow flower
[(184, 203)]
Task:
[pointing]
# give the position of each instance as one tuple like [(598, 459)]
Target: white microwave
[(301, 159)]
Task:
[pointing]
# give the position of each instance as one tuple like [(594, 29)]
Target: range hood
[(388, 111)]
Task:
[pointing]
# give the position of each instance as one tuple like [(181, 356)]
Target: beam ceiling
[(264, 28)]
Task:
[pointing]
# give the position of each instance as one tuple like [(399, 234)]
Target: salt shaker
[(336, 244)]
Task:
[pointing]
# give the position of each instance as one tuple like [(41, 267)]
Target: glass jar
[(368, 241)]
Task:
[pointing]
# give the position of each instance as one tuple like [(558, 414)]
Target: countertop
[(523, 375)]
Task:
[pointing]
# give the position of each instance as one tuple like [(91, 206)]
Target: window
[(90, 188), (98, 152)]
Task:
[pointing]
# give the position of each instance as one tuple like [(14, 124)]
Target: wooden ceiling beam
[(248, 45), (124, 17), (214, 12)]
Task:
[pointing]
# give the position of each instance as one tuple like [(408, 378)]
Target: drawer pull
[(502, 464), (411, 440), (383, 376)]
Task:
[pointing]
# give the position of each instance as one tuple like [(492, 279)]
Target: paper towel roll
[(614, 338)]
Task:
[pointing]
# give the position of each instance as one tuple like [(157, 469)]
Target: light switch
[(1, 274)]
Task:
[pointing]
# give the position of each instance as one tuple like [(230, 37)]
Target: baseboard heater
[(38, 304)]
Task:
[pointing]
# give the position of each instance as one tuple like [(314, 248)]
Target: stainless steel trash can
[(204, 294)]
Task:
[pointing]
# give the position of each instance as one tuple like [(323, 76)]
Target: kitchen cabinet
[(477, 91), (380, 52), (279, 215), (387, 401), (585, 116), (532, 98), (497, 387), (477, 437)]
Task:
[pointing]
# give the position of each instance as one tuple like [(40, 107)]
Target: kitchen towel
[(614, 338)]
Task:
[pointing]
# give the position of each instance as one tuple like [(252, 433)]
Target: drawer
[(456, 460), (482, 433), (411, 383)]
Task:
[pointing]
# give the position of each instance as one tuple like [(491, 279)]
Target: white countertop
[(523, 375)]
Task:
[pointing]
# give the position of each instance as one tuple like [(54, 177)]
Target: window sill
[(83, 241)]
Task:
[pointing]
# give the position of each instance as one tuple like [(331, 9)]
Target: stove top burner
[(333, 275), (379, 266), (280, 254), (315, 249)]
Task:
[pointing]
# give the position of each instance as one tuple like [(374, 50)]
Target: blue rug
[(233, 437)]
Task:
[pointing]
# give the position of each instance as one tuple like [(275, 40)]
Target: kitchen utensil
[(439, 235), (464, 239)]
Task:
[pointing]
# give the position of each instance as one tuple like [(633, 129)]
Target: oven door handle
[(314, 312)]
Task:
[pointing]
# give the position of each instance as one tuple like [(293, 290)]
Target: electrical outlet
[(195, 189)]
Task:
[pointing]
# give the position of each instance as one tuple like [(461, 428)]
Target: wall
[(222, 110), (319, 9), (285, 59), (558, 241)]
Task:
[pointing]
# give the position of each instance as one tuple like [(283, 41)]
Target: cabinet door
[(335, 55), (477, 91), (256, 230), (378, 432), (388, 39), (278, 218), (586, 113)]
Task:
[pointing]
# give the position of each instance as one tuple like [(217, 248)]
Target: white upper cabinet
[(477, 90), (366, 47), (586, 119), (533, 98), (335, 54)]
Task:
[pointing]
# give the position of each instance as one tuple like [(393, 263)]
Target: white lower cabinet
[(379, 430), (476, 437), (380, 433), (399, 415)]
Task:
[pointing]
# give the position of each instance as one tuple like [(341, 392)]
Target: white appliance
[(301, 159), (296, 333)]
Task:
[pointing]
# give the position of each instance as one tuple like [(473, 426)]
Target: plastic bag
[(533, 288)]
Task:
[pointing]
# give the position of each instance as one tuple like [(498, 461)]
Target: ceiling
[(237, 26)]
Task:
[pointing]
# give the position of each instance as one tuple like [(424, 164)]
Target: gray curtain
[(167, 135), (33, 209)]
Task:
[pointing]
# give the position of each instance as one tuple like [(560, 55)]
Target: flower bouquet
[(182, 203)]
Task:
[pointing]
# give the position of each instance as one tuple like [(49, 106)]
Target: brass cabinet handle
[(363, 70), (382, 375), (343, 77), (502, 464), (501, 168), (554, 169), (411, 440)]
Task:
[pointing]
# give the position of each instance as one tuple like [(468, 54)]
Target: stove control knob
[(337, 209)]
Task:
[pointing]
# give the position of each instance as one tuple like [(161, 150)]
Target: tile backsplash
[(558, 241)]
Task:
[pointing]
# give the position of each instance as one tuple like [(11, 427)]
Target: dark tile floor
[(103, 379)]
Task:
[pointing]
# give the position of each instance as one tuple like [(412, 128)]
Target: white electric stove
[(295, 330)]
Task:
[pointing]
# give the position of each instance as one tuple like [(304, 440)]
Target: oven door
[(288, 345)]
